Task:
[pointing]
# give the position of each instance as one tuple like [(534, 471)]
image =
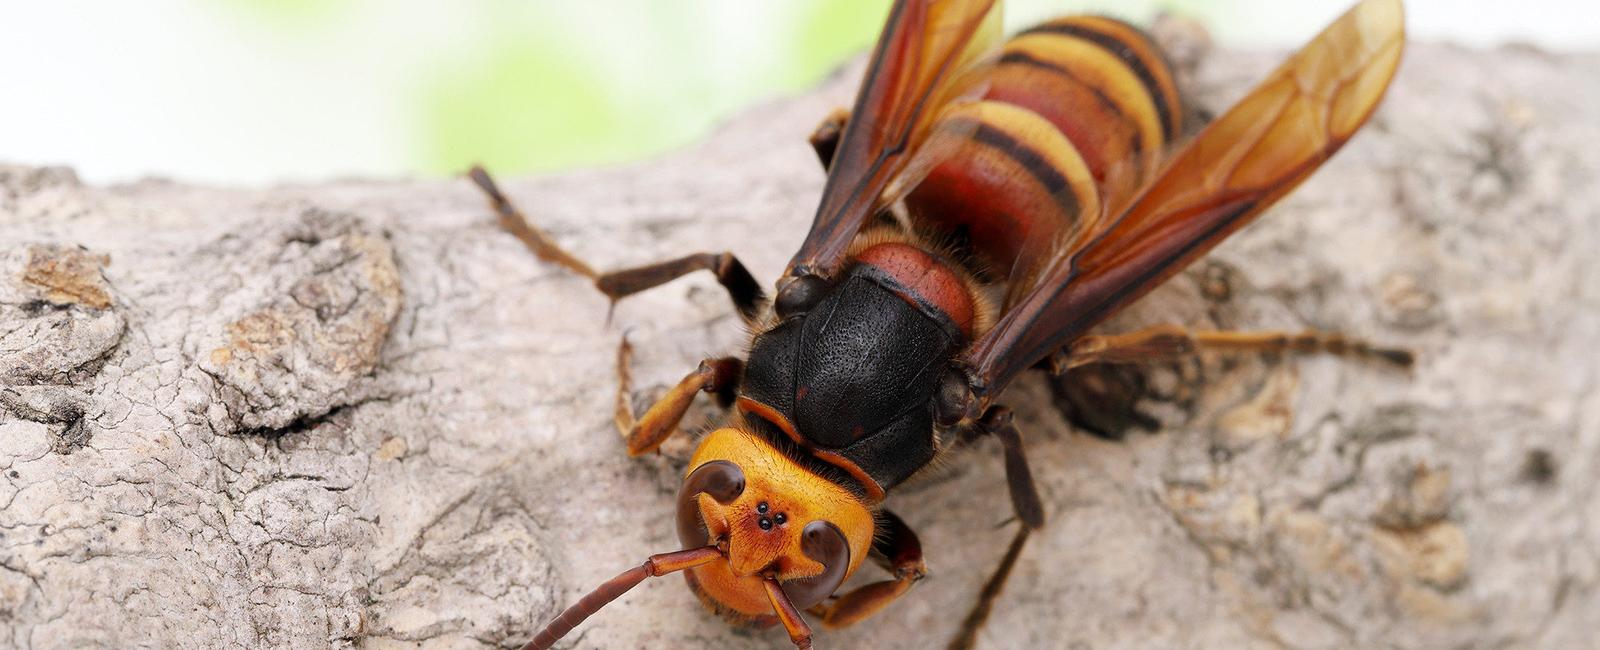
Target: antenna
[(657, 565)]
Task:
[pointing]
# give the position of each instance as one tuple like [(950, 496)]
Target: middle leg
[(998, 422), (730, 272), (967, 637)]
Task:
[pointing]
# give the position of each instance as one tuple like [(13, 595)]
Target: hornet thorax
[(852, 376)]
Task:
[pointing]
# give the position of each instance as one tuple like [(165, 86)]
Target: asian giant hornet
[(987, 203)]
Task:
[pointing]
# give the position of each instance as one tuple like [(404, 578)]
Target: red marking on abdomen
[(929, 278)]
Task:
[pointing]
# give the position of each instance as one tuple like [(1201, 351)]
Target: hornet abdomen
[(1073, 117)]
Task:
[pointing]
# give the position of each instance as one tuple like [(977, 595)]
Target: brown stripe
[(1122, 51), (875, 492), (772, 415), (1023, 58), (868, 484), (1036, 165)]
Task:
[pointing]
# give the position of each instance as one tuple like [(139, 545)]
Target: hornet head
[(765, 537), (774, 520)]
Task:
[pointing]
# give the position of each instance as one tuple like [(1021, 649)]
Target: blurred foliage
[(832, 31), (544, 93), (553, 89), (289, 14), (536, 86), (263, 91), (527, 106)]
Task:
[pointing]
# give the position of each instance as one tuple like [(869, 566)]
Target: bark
[(357, 413)]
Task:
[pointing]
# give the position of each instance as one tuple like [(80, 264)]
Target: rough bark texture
[(357, 413)]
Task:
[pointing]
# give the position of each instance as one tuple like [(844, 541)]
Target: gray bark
[(357, 413)]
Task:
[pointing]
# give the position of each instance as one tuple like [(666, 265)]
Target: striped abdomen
[(1075, 114)]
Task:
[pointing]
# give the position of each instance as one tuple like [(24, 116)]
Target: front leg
[(645, 434), (616, 285), (896, 548)]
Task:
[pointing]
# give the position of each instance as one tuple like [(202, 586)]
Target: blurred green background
[(260, 91)]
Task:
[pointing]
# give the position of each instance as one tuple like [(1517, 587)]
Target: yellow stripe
[(1139, 43), (1093, 65), (1038, 139)]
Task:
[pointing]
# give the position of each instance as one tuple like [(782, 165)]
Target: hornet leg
[(716, 376), (742, 287), (825, 140), (1103, 399), (968, 636), (1172, 341), (901, 553), (997, 421)]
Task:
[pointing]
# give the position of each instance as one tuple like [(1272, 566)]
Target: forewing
[(1242, 163), (924, 46)]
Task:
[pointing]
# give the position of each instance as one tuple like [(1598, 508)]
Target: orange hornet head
[(765, 538), (773, 519)]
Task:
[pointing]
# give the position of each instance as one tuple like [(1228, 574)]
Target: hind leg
[(1100, 382), (1164, 342)]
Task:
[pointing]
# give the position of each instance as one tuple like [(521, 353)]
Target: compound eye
[(723, 480), (821, 541)]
